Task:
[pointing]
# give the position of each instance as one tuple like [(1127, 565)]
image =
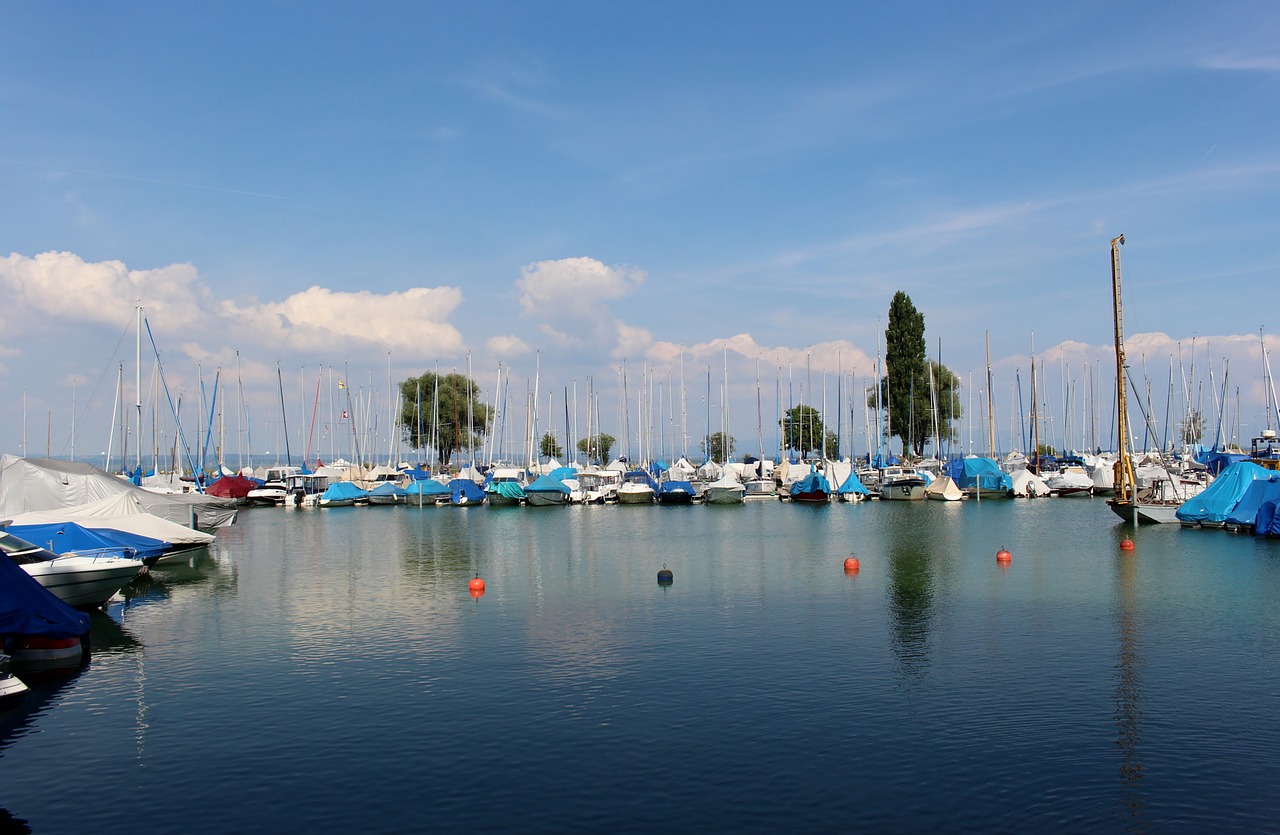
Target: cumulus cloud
[(822, 357), (414, 322), (65, 285), (507, 346), (570, 299)]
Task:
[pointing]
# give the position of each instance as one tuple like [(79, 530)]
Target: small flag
[(341, 385), (344, 414)]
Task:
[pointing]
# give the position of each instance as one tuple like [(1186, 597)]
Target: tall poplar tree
[(905, 388)]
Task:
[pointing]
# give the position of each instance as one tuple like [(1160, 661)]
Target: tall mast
[(991, 409), (1122, 412)]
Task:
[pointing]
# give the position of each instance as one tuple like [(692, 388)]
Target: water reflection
[(1129, 689), (911, 605), (164, 582)]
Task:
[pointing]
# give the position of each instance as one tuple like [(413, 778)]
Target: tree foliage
[(802, 430), (906, 392), (434, 411), (549, 447), (718, 446), (597, 447)]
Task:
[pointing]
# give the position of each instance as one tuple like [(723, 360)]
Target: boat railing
[(124, 551)]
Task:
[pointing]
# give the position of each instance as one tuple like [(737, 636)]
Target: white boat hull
[(84, 581), (628, 494)]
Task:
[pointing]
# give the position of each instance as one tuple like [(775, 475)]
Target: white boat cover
[(32, 484), (1027, 484), (122, 513), (943, 488)]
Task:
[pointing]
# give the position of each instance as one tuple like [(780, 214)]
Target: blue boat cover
[(640, 477), (853, 485), (676, 487), (561, 473), (1220, 500), (1216, 461), (547, 484), (344, 491), (28, 608), (65, 537), (508, 489), (1255, 496), (1267, 522), (465, 488), (814, 482), (983, 473), (427, 487), (388, 488)]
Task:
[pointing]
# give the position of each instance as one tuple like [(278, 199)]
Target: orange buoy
[(476, 585), (1126, 545), (476, 593), (1003, 556), (851, 565)]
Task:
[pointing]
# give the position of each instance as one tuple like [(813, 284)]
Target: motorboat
[(343, 494), (597, 486), (305, 488), (1071, 479), (901, 483), (84, 580), (274, 488), (675, 492), (546, 491), (386, 493), (812, 489), (636, 488), (943, 489), (724, 490)]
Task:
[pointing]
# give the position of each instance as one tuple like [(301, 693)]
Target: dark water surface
[(327, 670)]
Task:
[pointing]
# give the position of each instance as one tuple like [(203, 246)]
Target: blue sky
[(320, 184)]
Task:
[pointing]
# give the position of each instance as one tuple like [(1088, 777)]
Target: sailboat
[(1148, 505)]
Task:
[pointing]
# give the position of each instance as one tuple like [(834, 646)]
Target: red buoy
[(1126, 545), (1003, 556), (477, 584), (851, 565)]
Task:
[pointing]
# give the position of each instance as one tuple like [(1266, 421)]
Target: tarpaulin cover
[(28, 608), (66, 537)]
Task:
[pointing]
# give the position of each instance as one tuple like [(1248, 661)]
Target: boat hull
[(724, 495), (811, 497), (537, 498), (1148, 514), (626, 496), (902, 491), (84, 582)]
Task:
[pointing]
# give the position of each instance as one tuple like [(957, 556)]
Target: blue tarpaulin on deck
[(65, 537), (28, 608), (1221, 499)]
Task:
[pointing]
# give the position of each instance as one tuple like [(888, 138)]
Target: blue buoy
[(665, 577)]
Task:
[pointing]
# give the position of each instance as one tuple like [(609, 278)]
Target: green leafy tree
[(905, 389), (549, 447), (802, 430), (597, 447), (718, 446), (445, 400)]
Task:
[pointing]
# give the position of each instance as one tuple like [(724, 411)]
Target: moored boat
[(80, 581), (902, 483)]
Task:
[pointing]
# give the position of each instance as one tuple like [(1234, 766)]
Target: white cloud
[(570, 298), (413, 321), (507, 346), (821, 357), (65, 285)]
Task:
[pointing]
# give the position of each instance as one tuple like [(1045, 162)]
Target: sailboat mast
[(991, 409), (1122, 409)]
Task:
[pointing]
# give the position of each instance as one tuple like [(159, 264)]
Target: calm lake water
[(327, 670)]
